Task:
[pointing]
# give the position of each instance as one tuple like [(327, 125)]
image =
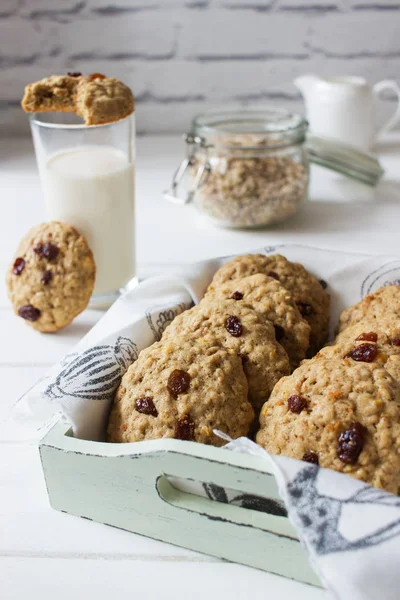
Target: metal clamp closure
[(193, 143)]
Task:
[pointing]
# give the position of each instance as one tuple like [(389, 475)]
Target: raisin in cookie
[(308, 293), (241, 330), (52, 276), (361, 343), (183, 389), (96, 98), (379, 306), (344, 416), (274, 303)]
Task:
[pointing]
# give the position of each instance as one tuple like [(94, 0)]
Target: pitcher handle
[(388, 84)]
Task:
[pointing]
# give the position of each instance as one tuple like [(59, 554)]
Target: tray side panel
[(131, 492)]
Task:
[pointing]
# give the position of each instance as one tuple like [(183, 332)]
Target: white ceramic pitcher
[(344, 108)]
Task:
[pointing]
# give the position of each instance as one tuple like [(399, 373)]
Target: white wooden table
[(45, 554)]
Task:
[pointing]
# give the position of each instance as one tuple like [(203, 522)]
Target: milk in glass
[(92, 189)]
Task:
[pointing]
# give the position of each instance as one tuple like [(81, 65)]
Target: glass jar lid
[(344, 159)]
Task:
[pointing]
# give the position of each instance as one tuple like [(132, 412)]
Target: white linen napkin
[(352, 531)]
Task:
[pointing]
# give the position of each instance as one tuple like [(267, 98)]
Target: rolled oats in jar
[(246, 168), (250, 167)]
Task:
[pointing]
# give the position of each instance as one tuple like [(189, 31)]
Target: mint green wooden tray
[(127, 486)]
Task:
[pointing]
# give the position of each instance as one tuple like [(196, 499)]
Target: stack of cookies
[(217, 363), (341, 409)]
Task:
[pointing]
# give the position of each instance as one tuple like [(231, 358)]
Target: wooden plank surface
[(169, 579)]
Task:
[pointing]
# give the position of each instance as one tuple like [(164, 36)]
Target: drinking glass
[(87, 176)]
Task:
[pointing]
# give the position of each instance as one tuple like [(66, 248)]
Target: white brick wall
[(183, 56)]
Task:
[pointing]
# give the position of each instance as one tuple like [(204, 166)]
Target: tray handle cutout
[(220, 510), (216, 493)]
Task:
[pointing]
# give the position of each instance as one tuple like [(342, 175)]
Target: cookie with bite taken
[(96, 98)]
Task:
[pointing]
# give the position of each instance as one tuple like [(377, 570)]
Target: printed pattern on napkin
[(386, 274), (250, 501), (321, 514), (163, 318), (96, 373)]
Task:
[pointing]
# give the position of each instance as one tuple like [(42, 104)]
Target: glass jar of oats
[(250, 167)]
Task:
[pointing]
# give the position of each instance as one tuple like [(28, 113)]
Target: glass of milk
[(87, 176)]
